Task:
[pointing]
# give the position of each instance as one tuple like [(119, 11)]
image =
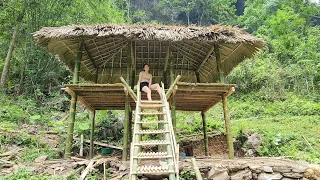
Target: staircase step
[(151, 106), (152, 122), (152, 142), (152, 169), (152, 131), (151, 113), (151, 102), (152, 155)]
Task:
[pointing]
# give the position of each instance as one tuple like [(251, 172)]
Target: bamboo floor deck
[(188, 96)]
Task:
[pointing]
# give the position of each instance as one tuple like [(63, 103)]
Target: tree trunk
[(3, 81)]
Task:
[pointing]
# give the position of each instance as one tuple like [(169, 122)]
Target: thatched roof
[(191, 48)]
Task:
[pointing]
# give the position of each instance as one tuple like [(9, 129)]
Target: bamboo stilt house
[(103, 53)]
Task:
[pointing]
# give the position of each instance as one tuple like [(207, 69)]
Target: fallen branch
[(86, 171), (78, 159), (8, 162), (308, 143), (101, 144), (11, 153)]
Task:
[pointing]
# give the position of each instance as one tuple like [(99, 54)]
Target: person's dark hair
[(144, 65)]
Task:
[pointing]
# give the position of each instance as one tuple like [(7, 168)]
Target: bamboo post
[(127, 107), (205, 137), (228, 127), (97, 76), (73, 104), (218, 61), (81, 145), (93, 113), (133, 76), (198, 77), (130, 127), (173, 101), (196, 169)]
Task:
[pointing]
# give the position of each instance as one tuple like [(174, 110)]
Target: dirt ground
[(194, 146)]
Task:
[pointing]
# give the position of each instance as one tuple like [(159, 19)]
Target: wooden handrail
[(132, 94), (170, 90)]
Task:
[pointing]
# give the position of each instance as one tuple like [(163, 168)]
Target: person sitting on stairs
[(145, 80)]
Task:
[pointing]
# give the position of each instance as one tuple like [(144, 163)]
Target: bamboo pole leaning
[(196, 169), (130, 91), (170, 90)]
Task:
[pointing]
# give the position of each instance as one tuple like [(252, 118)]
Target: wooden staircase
[(159, 135)]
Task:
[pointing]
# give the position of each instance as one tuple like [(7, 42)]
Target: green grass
[(290, 127), (296, 137)]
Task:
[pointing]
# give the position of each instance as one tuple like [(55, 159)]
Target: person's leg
[(148, 91), (156, 87)]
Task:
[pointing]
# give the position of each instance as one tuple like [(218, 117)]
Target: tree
[(6, 66)]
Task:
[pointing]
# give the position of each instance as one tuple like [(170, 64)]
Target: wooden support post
[(165, 69), (130, 127), (219, 65), (205, 137), (133, 76), (93, 113), (73, 104), (81, 145), (198, 77), (127, 107), (228, 127), (97, 75), (173, 101)]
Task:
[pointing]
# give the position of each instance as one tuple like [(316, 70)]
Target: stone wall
[(255, 168)]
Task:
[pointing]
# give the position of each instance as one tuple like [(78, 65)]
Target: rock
[(282, 169), (255, 169), (40, 159), (218, 175), (264, 176), (251, 153), (299, 169), (266, 169), (254, 141), (285, 178), (122, 167), (292, 175), (242, 175), (254, 176)]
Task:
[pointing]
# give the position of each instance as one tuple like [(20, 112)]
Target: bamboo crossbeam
[(130, 91), (93, 85), (172, 86), (100, 144), (206, 84), (205, 59)]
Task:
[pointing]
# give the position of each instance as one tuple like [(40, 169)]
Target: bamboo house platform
[(188, 96), (200, 56)]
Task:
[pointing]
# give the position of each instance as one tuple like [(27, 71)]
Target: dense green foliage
[(278, 90)]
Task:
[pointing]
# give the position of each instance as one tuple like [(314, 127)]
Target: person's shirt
[(144, 77)]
